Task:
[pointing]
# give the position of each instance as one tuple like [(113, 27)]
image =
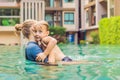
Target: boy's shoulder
[(48, 38)]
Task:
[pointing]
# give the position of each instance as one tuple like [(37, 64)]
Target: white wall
[(9, 38)]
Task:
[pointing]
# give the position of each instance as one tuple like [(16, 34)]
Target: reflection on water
[(13, 65)]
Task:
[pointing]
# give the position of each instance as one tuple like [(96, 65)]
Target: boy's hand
[(40, 57)]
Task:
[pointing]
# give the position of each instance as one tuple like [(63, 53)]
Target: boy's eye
[(34, 31), (40, 31)]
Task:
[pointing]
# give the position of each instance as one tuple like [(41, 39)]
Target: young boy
[(41, 32)]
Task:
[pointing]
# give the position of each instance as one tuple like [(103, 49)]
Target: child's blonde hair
[(45, 23), (40, 23)]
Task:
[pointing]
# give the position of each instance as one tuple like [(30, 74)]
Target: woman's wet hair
[(18, 27), (25, 27)]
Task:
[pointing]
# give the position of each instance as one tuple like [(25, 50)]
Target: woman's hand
[(41, 57)]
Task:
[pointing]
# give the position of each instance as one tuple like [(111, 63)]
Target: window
[(69, 18), (112, 7), (49, 3), (91, 0), (68, 1), (7, 0), (49, 19), (87, 17), (9, 17)]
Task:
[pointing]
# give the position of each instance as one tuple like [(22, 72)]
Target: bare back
[(56, 50)]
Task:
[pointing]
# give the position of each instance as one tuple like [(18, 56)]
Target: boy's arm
[(51, 42)]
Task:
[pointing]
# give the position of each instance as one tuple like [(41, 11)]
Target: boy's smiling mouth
[(37, 38)]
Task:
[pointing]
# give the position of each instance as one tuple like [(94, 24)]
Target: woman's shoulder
[(32, 45)]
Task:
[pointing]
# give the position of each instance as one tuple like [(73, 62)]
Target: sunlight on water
[(13, 65)]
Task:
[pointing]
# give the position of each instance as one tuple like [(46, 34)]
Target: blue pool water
[(13, 65)]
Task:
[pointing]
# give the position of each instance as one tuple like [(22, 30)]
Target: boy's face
[(40, 32)]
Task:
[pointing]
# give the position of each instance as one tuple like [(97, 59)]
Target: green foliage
[(5, 22), (109, 30), (9, 22), (57, 30), (82, 42), (58, 33), (95, 37)]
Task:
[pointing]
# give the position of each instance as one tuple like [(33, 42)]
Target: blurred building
[(63, 13), (94, 10), (113, 8), (56, 12), (9, 16)]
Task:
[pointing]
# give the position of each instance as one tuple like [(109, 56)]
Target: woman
[(32, 48)]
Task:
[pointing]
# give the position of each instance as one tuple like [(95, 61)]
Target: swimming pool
[(13, 65)]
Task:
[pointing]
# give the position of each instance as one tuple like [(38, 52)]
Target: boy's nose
[(37, 33), (37, 37)]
